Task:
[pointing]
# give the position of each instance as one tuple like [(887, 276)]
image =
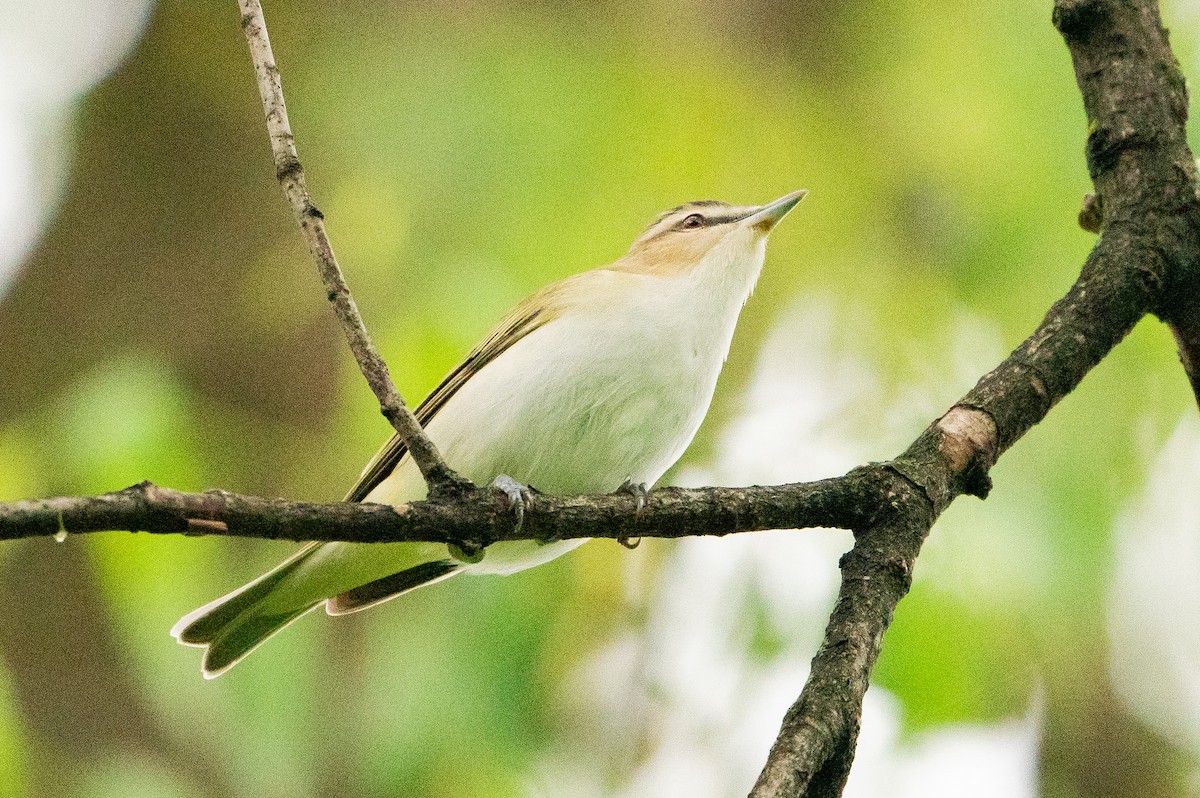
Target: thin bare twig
[(440, 478)]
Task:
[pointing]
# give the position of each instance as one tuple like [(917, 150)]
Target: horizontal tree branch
[(478, 519)]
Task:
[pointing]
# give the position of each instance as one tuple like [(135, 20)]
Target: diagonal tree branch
[(442, 480), (1145, 261)]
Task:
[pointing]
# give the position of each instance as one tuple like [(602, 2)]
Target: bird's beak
[(769, 215)]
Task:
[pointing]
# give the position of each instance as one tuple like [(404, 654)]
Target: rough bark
[(1144, 262), (477, 519)]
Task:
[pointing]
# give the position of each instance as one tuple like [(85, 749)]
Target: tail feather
[(236, 624), (243, 636), (202, 625), (389, 587)]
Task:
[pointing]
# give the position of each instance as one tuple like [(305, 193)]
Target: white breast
[(583, 403)]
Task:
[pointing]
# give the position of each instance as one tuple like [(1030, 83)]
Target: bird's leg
[(519, 497), (639, 492)]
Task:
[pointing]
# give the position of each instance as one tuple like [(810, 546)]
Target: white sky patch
[(1154, 640), (807, 391), (998, 760), (689, 703), (816, 408), (50, 54)]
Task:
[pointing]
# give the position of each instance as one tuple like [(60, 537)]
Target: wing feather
[(526, 317)]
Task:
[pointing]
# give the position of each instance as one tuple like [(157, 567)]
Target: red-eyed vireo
[(593, 383)]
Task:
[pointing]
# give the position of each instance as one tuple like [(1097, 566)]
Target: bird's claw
[(519, 497), (635, 489), (639, 492)]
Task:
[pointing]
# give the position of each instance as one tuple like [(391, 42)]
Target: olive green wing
[(526, 317)]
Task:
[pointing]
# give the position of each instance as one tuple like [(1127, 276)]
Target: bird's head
[(684, 237)]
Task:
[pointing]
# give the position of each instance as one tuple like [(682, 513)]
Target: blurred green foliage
[(170, 327)]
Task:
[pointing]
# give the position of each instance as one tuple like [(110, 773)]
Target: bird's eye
[(693, 221)]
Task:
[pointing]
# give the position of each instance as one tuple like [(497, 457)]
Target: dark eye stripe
[(712, 213), (709, 221)]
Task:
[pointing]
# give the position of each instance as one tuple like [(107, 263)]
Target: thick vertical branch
[(440, 478), (1137, 106), (1146, 261)]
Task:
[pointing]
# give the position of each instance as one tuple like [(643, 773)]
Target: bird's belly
[(567, 420), (576, 421)]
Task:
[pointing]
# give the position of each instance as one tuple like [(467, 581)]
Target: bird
[(594, 384)]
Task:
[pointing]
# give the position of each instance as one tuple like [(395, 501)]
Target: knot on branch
[(1106, 143), (1091, 215), (1074, 19), (952, 457), (970, 444)]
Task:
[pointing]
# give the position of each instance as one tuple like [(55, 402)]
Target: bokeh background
[(159, 319)]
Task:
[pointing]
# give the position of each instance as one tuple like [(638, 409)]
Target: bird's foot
[(639, 492), (636, 490), (520, 497)]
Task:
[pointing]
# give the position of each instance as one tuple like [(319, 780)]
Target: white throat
[(722, 281)]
